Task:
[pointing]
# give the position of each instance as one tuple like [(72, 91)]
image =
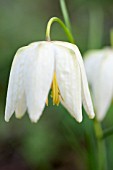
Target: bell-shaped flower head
[(44, 66), (99, 70)]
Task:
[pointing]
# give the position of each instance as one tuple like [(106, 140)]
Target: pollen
[(55, 93)]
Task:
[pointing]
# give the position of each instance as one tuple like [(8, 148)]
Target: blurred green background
[(57, 141)]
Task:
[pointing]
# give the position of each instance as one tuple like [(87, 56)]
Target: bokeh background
[(57, 141)]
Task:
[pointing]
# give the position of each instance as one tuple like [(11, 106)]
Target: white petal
[(15, 86), (16, 83), (85, 89), (103, 86), (69, 81), (21, 107), (39, 75), (92, 61)]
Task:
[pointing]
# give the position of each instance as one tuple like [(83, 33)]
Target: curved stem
[(67, 31), (65, 13), (102, 162)]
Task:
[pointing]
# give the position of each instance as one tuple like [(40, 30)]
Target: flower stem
[(96, 19), (67, 31), (111, 37), (102, 161), (65, 13)]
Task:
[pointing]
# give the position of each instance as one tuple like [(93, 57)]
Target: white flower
[(99, 69), (42, 66)]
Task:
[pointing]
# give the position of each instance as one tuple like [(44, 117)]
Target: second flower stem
[(65, 14), (101, 157)]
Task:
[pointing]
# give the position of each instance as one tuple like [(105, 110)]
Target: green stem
[(67, 31), (96, 19), (102, 161), (65, 13), (111, 37)]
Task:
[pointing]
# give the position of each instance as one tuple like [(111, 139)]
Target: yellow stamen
[(55, 91), (47, 102)]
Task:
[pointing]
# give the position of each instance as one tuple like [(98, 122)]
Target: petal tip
[(92, 115), (34, 118), (6, 119), (33, 121), (18, 116), (79, 119)]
